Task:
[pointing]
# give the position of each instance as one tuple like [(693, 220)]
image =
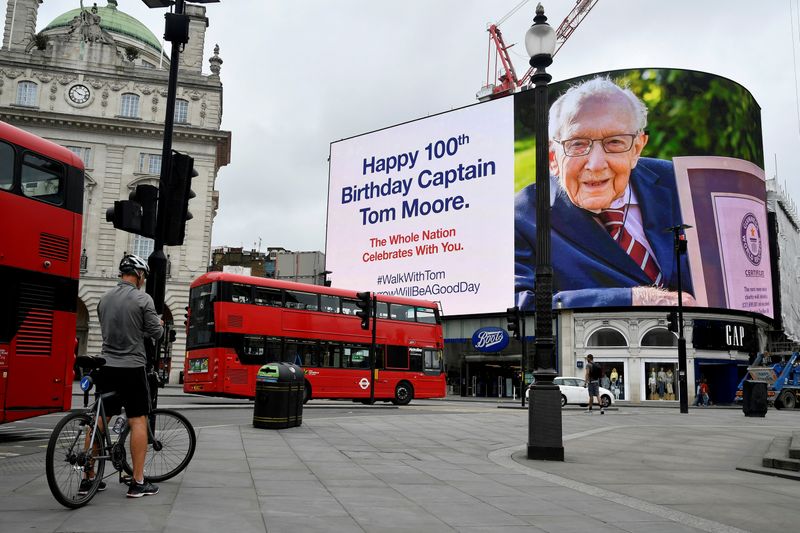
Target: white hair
[(564, 110)]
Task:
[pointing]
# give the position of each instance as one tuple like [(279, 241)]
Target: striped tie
[(613, 220)]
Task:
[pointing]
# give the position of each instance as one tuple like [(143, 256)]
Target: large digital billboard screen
[(443, 208)]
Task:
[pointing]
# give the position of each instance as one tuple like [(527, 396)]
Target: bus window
[(329, 304), (383, 310), (349, 307), (252, 352), (331, 355), (401, 312), (301, 352), (397, 357), (356, 357), (241, 294), (42, 179), (433, 360), (270, 297), (302, 300), (201, 316), (426, 315), (6, 166)]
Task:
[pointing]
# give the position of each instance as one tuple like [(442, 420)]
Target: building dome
[(113, 21)]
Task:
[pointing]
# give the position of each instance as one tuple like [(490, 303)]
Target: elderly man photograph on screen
[(610, 207)]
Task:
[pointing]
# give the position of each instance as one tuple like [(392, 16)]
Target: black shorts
[(594, 388), (131, 386)]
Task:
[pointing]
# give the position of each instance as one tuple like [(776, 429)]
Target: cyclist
[(128, 316)]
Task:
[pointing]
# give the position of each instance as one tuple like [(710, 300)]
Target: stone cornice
[(22, 61), (129, 127)]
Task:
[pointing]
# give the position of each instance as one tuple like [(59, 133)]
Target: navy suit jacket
[(589, 268)]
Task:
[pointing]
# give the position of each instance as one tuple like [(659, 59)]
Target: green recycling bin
[(279, 396)]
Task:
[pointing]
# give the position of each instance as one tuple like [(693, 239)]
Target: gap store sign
[(490, 339)]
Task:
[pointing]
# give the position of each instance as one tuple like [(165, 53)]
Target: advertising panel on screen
[(443, 208)]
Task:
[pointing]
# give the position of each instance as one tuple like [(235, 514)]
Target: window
[(181, 111), (302, 300), (383, 310), (329, 304), (130, 105), (356, 357), (270, 297), (201, 318), (241, 294), (401, 312), (433, 360), (142, 246), (659, 337), (149, 163), (27, 93), (426, 315), (42, 179), (85, 154), (613, 377), (661, 380), (147, 64), (349, 307), (606, 337), (6, 166), (397, 357)]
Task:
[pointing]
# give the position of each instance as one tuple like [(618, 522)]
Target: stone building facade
[(95, 80)]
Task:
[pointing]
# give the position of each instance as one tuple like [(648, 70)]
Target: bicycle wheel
[(171, 449), (70, 458)]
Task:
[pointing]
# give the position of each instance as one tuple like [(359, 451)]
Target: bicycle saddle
[(89, 363)]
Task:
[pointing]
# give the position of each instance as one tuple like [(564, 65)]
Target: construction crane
[(508, 80)]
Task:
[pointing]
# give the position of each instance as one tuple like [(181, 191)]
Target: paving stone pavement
[(631, 470)]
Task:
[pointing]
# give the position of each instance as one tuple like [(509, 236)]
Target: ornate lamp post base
[(544, 423)]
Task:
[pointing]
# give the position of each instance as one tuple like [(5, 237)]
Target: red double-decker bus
[(41, 201), (238, 323)]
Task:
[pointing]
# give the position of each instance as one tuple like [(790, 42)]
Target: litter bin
[(279, 396), (754, 398)]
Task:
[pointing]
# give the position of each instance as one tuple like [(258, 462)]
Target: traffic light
[(513, 321), (178, 193), (138, 213), (672, 321), (364, 304)]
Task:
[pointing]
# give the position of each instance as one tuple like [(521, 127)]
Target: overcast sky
[(299, 74)]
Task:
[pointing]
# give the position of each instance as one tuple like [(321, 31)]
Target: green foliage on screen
[(689, 113)]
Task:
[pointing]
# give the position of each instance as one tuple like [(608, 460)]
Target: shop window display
[(661, 381), (613, 378)]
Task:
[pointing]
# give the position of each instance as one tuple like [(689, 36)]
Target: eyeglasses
[(613, 144)]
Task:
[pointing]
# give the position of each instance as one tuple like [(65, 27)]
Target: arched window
[(659, 337), (27, 93), (181, 111), (130, 105), (606, 337)]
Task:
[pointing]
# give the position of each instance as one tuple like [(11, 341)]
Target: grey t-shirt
[(127, 315)]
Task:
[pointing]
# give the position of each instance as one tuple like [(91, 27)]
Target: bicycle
[(81, 444)]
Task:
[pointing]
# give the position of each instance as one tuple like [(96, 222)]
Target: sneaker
[(137, 490), (588, 411), (86, 485), (602, 411)]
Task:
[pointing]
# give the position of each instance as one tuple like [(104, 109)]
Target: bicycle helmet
[(131, 263)]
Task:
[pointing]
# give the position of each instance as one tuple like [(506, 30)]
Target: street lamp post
[(544, 408), (680, 249)]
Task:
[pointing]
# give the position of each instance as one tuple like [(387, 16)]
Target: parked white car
[(574, 391)]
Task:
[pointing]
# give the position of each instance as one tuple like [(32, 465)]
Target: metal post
[(682, 387), (373, 352), (523, 360), (544, 409), (157, 281)]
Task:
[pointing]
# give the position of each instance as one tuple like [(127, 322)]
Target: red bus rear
[(238, 323), (41, 200)]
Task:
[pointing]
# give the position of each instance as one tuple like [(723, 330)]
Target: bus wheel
[(403, 393), (788, 399), (306, 393)]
